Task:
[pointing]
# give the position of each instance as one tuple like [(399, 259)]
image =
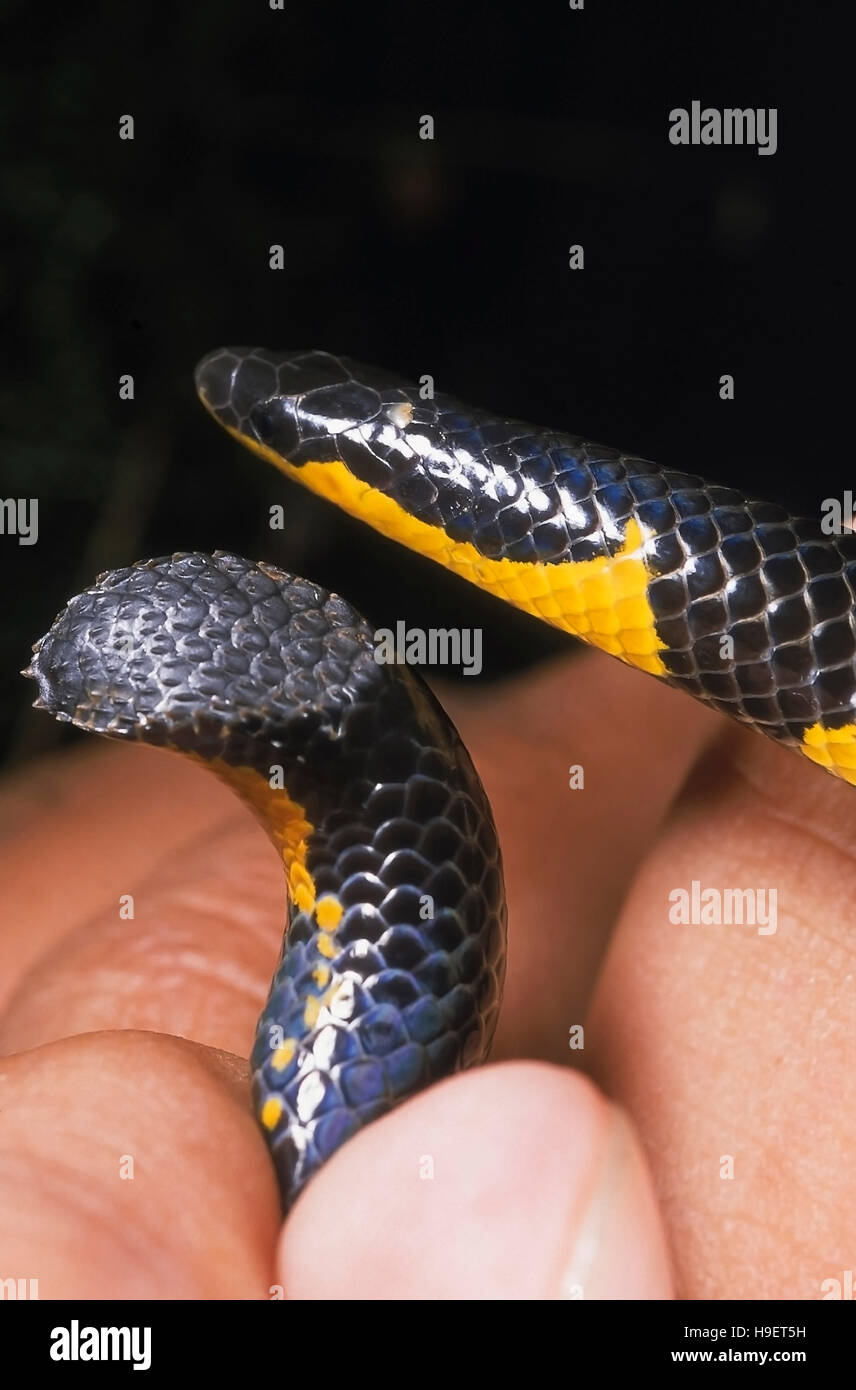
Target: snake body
[(734, 600), (392, 964)]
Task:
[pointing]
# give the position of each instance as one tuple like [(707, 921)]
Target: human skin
[(708, 1153)]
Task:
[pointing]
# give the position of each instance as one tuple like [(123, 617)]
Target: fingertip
[(132, 1168), (517, 1181)]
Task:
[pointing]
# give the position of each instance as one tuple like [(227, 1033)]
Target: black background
[(301, 127)]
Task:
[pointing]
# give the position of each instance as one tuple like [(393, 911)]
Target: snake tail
[(392, 964)]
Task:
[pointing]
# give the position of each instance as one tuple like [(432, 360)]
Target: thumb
[(517, 1181)]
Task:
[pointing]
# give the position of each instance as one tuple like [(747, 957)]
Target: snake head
[(304, 410), (295, 405)]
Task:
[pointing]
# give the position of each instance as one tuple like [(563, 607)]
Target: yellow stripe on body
[(287, 825), (604, 601), (283, 819), (834, 749)]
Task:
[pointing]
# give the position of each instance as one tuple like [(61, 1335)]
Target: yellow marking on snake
[(301, 885), (283, 819), (311, 1010), (328, 912), (834, 749), (271, 1111), (604, 601), (326, 947), (283, 1055)]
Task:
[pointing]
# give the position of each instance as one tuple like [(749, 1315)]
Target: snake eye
[(274, 424)]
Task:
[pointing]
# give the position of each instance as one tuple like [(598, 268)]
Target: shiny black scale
[(721, 565)]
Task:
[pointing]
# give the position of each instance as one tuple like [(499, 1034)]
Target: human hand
[(131, 1166)]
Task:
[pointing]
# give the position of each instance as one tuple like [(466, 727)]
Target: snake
[(391, 971)]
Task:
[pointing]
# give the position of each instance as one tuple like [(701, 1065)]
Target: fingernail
[(618, 1249)]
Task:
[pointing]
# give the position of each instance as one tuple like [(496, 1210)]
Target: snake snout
[(215, 377)]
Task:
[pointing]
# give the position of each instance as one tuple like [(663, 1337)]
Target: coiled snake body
[(392, 964)]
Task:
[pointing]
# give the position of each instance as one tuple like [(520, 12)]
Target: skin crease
[(129, 1037)]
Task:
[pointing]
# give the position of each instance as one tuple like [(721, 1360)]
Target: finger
[(193, 958), (130, 1167), (515, 1181), (570, 855), (75, 829), (733, 1046)]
